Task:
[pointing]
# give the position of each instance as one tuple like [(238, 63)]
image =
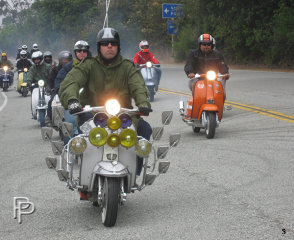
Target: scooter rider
[(144, 55), (34, 49), (23, 62), (205, 58), (48, 58), (81, 50), (39, 70), (63, 58), (5, 62), (106, 76)]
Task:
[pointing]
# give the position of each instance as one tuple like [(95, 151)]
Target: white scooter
[(101, 162), (39, 103), (150, 74)]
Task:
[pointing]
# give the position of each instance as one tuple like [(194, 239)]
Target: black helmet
[(64, 55), (107, 34), (48, 57), (37, 55), (206, 39)]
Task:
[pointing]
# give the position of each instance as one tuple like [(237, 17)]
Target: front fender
[(207, 107), (107, 169)]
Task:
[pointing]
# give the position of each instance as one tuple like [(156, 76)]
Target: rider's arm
[(137, 87), (153, 59), (136, 58), (190, 64), (73, 82)]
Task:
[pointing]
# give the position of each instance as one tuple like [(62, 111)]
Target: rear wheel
[(211, 125), (110, 201)]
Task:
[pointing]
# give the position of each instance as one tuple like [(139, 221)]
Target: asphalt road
[(239, 185)]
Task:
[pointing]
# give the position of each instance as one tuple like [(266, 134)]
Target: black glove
[(74, 106), (144, 111)]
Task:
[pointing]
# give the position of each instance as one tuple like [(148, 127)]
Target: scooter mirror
[(57, 115), (67, 129), (163, 167), (149, 180), (166, 117), (46, 133), (174, 139), (51, 162), (162, 151), (57, 147), (157, 133)]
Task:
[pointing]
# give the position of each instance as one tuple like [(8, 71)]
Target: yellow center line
[(262, 111)]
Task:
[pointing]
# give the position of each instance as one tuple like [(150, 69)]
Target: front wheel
[(110, 201), (42, 114), (211, 125), (24, 92), (5, 86), (151, 93)]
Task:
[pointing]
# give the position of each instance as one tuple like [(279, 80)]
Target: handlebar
[(88, 108)]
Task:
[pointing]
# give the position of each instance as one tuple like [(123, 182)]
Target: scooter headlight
[(25, 69), (126, 120), (41, 83), (112, 107), (98, 136), (113, 140), (100, 119), (114, 123), (5, 68), (128, 138), (78, 145), (143, 148), (211, 75), (149, 64)]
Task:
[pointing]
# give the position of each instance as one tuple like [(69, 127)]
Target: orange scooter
[(205, 106)]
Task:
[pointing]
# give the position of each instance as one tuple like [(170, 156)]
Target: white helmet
[(35, 46), (23, 54), (144, 46), (37, 55)]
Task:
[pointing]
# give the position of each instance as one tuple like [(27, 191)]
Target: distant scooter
[(205, 106), (39, 102), (151, 76), (22, 86), (5, 78)]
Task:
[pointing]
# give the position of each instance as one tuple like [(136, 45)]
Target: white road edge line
[(5, 101)]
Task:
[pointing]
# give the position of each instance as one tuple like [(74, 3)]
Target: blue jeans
[(144, 130), (70, 119)]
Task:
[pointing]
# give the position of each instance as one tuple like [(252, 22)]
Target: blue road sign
[(172, 28), (172, 10)]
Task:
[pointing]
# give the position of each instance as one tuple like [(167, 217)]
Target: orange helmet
[(144, 46)]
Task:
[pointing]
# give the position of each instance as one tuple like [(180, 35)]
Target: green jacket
[(37, 73), (6, 63), (120, 80)]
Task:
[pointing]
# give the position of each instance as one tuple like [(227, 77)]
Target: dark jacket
[(52, 76), (200, 63), (23, 63)]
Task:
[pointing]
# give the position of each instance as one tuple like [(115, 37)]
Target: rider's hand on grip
[(144, 111), (74, 106), (191, 75)]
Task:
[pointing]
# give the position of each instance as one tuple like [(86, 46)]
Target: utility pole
[(105, 24)]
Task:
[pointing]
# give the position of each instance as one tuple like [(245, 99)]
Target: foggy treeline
[(246, 31)]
